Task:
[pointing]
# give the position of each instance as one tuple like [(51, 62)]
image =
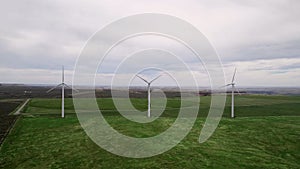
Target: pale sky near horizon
[(260, 38)]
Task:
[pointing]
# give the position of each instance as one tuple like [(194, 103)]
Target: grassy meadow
[(265, 134)]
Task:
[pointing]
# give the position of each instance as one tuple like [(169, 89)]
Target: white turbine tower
[(149, 93), (63, 85), (233, 88)]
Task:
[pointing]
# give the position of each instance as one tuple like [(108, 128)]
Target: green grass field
[(265, 134)]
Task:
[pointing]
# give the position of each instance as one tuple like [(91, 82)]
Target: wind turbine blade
[(75, 90), (63, 75), (237, 90), (233, 76), (71, 87), (156, 78), (53, 88), (225, 85), (142, 79)]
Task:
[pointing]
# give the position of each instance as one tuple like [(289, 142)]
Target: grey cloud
[(264, 51), (38, 34), (290, 67)]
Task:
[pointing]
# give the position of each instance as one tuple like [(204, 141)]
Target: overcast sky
[(260, 38)]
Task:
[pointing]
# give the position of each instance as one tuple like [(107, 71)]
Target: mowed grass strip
[(256, 142)]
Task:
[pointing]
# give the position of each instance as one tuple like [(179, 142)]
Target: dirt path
[(20, 109)]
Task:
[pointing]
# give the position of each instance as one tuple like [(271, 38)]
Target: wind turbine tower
[(149, 92), (63, 85), (233, 89)]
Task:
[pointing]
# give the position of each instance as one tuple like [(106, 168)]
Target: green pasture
[(265, 134)]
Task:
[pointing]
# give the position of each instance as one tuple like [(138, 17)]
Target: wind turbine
[(63, 85), (233, 88), (149, 93)]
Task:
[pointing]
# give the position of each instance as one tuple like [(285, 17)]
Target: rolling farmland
[(265, 134)]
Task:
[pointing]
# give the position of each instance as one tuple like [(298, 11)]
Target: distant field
[(265, 135), (245, 106)]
